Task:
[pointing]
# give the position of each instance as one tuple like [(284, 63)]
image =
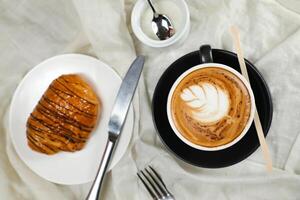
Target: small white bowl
[(180, 35)]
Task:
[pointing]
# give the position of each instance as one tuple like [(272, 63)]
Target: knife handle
[(96, 187)]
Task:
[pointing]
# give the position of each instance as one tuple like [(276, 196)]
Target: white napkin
[(31, 31)]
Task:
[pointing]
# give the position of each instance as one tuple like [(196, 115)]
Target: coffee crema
[(210, 106)]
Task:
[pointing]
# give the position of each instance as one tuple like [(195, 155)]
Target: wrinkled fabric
[(32, 30)]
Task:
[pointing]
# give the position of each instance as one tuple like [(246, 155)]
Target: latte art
[(208, 102), (210, 106)]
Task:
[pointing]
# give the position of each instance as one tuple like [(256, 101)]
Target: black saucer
[(210, 159)]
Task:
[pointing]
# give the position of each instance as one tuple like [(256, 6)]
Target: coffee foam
[(210, 107), (208, 102)]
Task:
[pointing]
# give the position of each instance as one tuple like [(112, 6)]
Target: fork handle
[(96, 187)]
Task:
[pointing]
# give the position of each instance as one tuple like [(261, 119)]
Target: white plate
[(65, 167)]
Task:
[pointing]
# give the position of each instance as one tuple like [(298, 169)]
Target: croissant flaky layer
[(64, 117)]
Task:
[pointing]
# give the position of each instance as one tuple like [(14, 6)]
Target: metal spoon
[(161, 24)]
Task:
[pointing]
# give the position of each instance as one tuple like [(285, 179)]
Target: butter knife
[(116, 122)]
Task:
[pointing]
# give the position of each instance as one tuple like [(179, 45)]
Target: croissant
[(64, 117)]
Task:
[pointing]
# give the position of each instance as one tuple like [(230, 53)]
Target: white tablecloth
[(32, 30)]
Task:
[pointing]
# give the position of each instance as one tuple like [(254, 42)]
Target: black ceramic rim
[(210, 159)]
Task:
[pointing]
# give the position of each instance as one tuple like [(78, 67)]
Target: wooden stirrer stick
[(262, 140)]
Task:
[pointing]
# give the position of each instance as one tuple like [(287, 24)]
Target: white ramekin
[(179, 36)]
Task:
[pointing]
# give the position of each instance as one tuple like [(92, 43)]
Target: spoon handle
[(151, 5)]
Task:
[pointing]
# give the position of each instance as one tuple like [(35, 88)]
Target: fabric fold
[(32, 31)]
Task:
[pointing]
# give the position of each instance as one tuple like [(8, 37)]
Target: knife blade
[(117, 119), (124, 97)]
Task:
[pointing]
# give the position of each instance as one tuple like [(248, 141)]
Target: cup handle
[(205, 54)]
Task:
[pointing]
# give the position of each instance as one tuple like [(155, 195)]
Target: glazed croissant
[(64, 117)]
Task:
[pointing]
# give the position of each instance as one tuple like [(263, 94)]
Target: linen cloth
[(32, 30)]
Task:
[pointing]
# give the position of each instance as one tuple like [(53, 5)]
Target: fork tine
[(159, 182), (158, 176), (153, 184), (153, 195)]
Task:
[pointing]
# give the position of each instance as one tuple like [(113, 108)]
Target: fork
[(154, 184)]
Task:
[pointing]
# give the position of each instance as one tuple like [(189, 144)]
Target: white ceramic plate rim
[(128, 125)]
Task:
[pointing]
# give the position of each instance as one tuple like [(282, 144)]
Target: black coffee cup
[(205, 54)]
